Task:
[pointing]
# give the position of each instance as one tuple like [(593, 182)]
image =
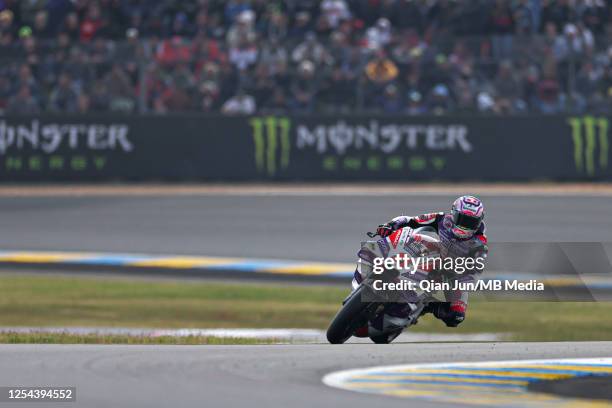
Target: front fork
[(391, 321)]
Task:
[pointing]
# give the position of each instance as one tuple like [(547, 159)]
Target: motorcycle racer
[(461, 234)]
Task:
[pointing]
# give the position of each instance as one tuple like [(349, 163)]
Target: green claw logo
[(587, 131), (271, 135)]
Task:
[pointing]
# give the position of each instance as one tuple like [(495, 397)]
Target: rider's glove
[(384, 230)]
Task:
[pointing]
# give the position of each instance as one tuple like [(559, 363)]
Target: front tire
[(348, 318)]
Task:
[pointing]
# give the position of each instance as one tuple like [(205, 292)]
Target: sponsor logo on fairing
[(412, 247), (384, 246), (395, 238)]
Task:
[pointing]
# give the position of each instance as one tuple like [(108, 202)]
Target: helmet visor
[(467, 222)]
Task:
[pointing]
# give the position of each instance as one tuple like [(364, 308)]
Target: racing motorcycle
[(379, 314)]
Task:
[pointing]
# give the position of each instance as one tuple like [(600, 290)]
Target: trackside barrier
[(304, 148)]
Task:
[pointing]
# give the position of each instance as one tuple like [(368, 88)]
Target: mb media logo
[(590, 136), (271, 137)]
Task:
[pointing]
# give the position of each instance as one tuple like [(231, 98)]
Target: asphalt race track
[(239, 376), (320, 227), (303, 227)]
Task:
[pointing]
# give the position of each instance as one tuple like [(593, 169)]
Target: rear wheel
[(349, 318)]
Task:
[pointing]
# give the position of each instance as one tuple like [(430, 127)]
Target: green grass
[(31, 300), (66, 338), (541, 321), (66, 301)]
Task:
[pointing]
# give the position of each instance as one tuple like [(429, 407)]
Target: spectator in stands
[(244, 53), (594, 14), (415, 104), (92, 24), (83, 104), (338, 91), (242, 30), (549, 97), (301, 26), (524, 17), (502, 26), (588, 81), (440, 72), (379, 36), (440, 101), (453, 54), (23, 102), (240, 104), (274, 26), (381, 70), (485, 103), (556, 12), (390, 100), (578, 40), (334, 11), (304, 88), (277, 105), (100, 97), (262, 84), (40, 26), (174, 99), (409, 50), (353, 65), (235, 8), (508, 90), (6, 22), (209, 96), (63, 98), (274, 55), (71, 26), (310, 50), (120, 89)]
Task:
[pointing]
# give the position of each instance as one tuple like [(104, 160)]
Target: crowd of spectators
[(306, 56)]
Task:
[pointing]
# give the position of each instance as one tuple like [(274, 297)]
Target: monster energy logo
[(586, 132), (271, 135)]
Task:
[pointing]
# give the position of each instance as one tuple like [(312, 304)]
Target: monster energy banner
[(304, 148), (400, 148)]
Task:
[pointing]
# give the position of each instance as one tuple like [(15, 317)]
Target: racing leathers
[(452, 312)]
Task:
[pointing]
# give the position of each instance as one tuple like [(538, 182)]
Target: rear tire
[(347, 319)]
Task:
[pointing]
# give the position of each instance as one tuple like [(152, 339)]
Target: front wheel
[(349, 318)]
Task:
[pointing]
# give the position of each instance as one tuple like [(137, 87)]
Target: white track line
[(298, 335), (492, 383)]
